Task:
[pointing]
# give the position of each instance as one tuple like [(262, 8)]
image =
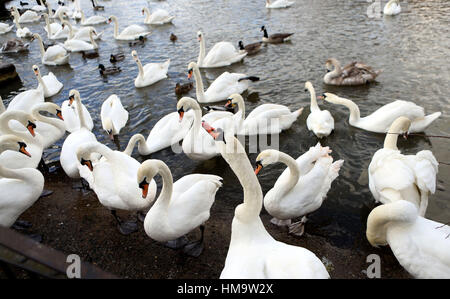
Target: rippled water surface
[(412, 49)]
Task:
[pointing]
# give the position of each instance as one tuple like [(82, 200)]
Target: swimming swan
[(151, 72), (355, 73), (49, 83), (319, 121), (54, 55), (131, 32)]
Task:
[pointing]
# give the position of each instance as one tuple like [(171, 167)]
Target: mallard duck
[(274, 38), (140, 41), (116, 57), (181, 89), (173, 37), (250, 48), (89, 54), (355, 73), (14, 45), (108, 70)]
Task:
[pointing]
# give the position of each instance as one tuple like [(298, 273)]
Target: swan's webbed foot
[(127, 227), (177, 243), (298, 228), (141, 216), (279, 222), (194, 249), (46, 193), (21, 224)]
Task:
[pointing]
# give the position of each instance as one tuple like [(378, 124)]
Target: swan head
[(241, 45), (49, 107), (184, 104), (308, 86), (26, 119), (199, 36), (36, 70), (400, 125), (330, 63), (135, 56), (233, 100), (329, 97), (108, 126), (111, 18), (145, 174), (191, 67), (13, 143), (73, 94), (265, 158), (35, 36)]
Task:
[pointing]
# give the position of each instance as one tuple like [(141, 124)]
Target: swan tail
[(420, 124), (297, 113), (251, 78), (334, 169)]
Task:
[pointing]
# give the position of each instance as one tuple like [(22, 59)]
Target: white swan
[(49, 83), (16, 160), (392, 8), (279, 4), (381, 119), (394, 176), (319, 121), (226, 84), (114, 117), (76, 10), (68, 157), (54, 55), (420, 245), (301, 188), (25, 100), (81, 33), (92, 20), (181, 206), (58, 12), (52, 29), (253, 253), (76, 45), (50, 129), (157, 17), (197, 144), (131, 32), (5, 28), (21, 32), (264, 119), (40, 7), (22, 187), (69, 109), (168, 131), (151, 72), (221, 54), (28, 16)]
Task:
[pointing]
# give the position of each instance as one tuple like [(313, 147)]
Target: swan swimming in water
[(355, 73)]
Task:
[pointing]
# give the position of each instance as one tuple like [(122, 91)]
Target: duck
[(173, 37), (221, 54), (24, 185), (5, 28), (167, 132), (181, 206), (13, 46), (197, 144), (157, 17), (392, 8), (49, 83), (76, 45), (28, 16), (92, 20), (69, 112), (8, 125), (275, 38), (278, 4), (68, 156), (420, 245), (89, 54), (140, 41), (24, 32), (355, 73), (113, 58), (131, 32), (181, 89), (253, 253), (381, 119), (151, 72), (113, 179), (320, 122), (39, 8), (264, 119), (54, 55), (301, 188), (82, 34), (224, 85), (250, 49), (113, 115), (394, 176), (104, 71)]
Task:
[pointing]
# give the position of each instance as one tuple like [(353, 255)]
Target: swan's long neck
[(87, 149), (47, 23), (201, 55), (199, 89), (293, 169), (354, 110), (197, 125), (2, 106), (49, 8), (314, 106), (70, 35), (136, 138), (399, 126), (41, 45), (16, 21), (6, 129), (83, 18), (91, 37), (337, 69), (80, 112), (141, 68), (60, 16), (14, 174), (241, 106), (42, 83), (166, 192), (49, 120), (147, 12), (116, 26)]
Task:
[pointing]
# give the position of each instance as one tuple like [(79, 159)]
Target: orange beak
[(71, 98), (144, 190), (24, 151), (228, 104), (36, 72), (207, 127), (88, 163), (181, 113), (320, 97), (258, 168), (190, 74), (31, 130), (59, 114)]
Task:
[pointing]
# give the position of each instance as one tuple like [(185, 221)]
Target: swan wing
[(222, 53), (113, 108), (225, 85), (425, 169), (133, 30), (54, 52)]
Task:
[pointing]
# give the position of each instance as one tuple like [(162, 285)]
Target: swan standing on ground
[(69, 110), (68, 157), (221, 54), (21, 32), (393, 176), (392, 8), (264, 119), (5, 28), (168, 131), (181, 206), (151, 72), (319, 121), (253, 253), (49, 83), (381, 119), (158, 17), (279, 4), (226, 84), (355, 73), (24, 186), (113, 179), (54, 55), (420, 245), (301, 188), (114, 117), (93, 20), (197, 144), (76, 45), (131, 32), (28, 16), (16, 160)]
